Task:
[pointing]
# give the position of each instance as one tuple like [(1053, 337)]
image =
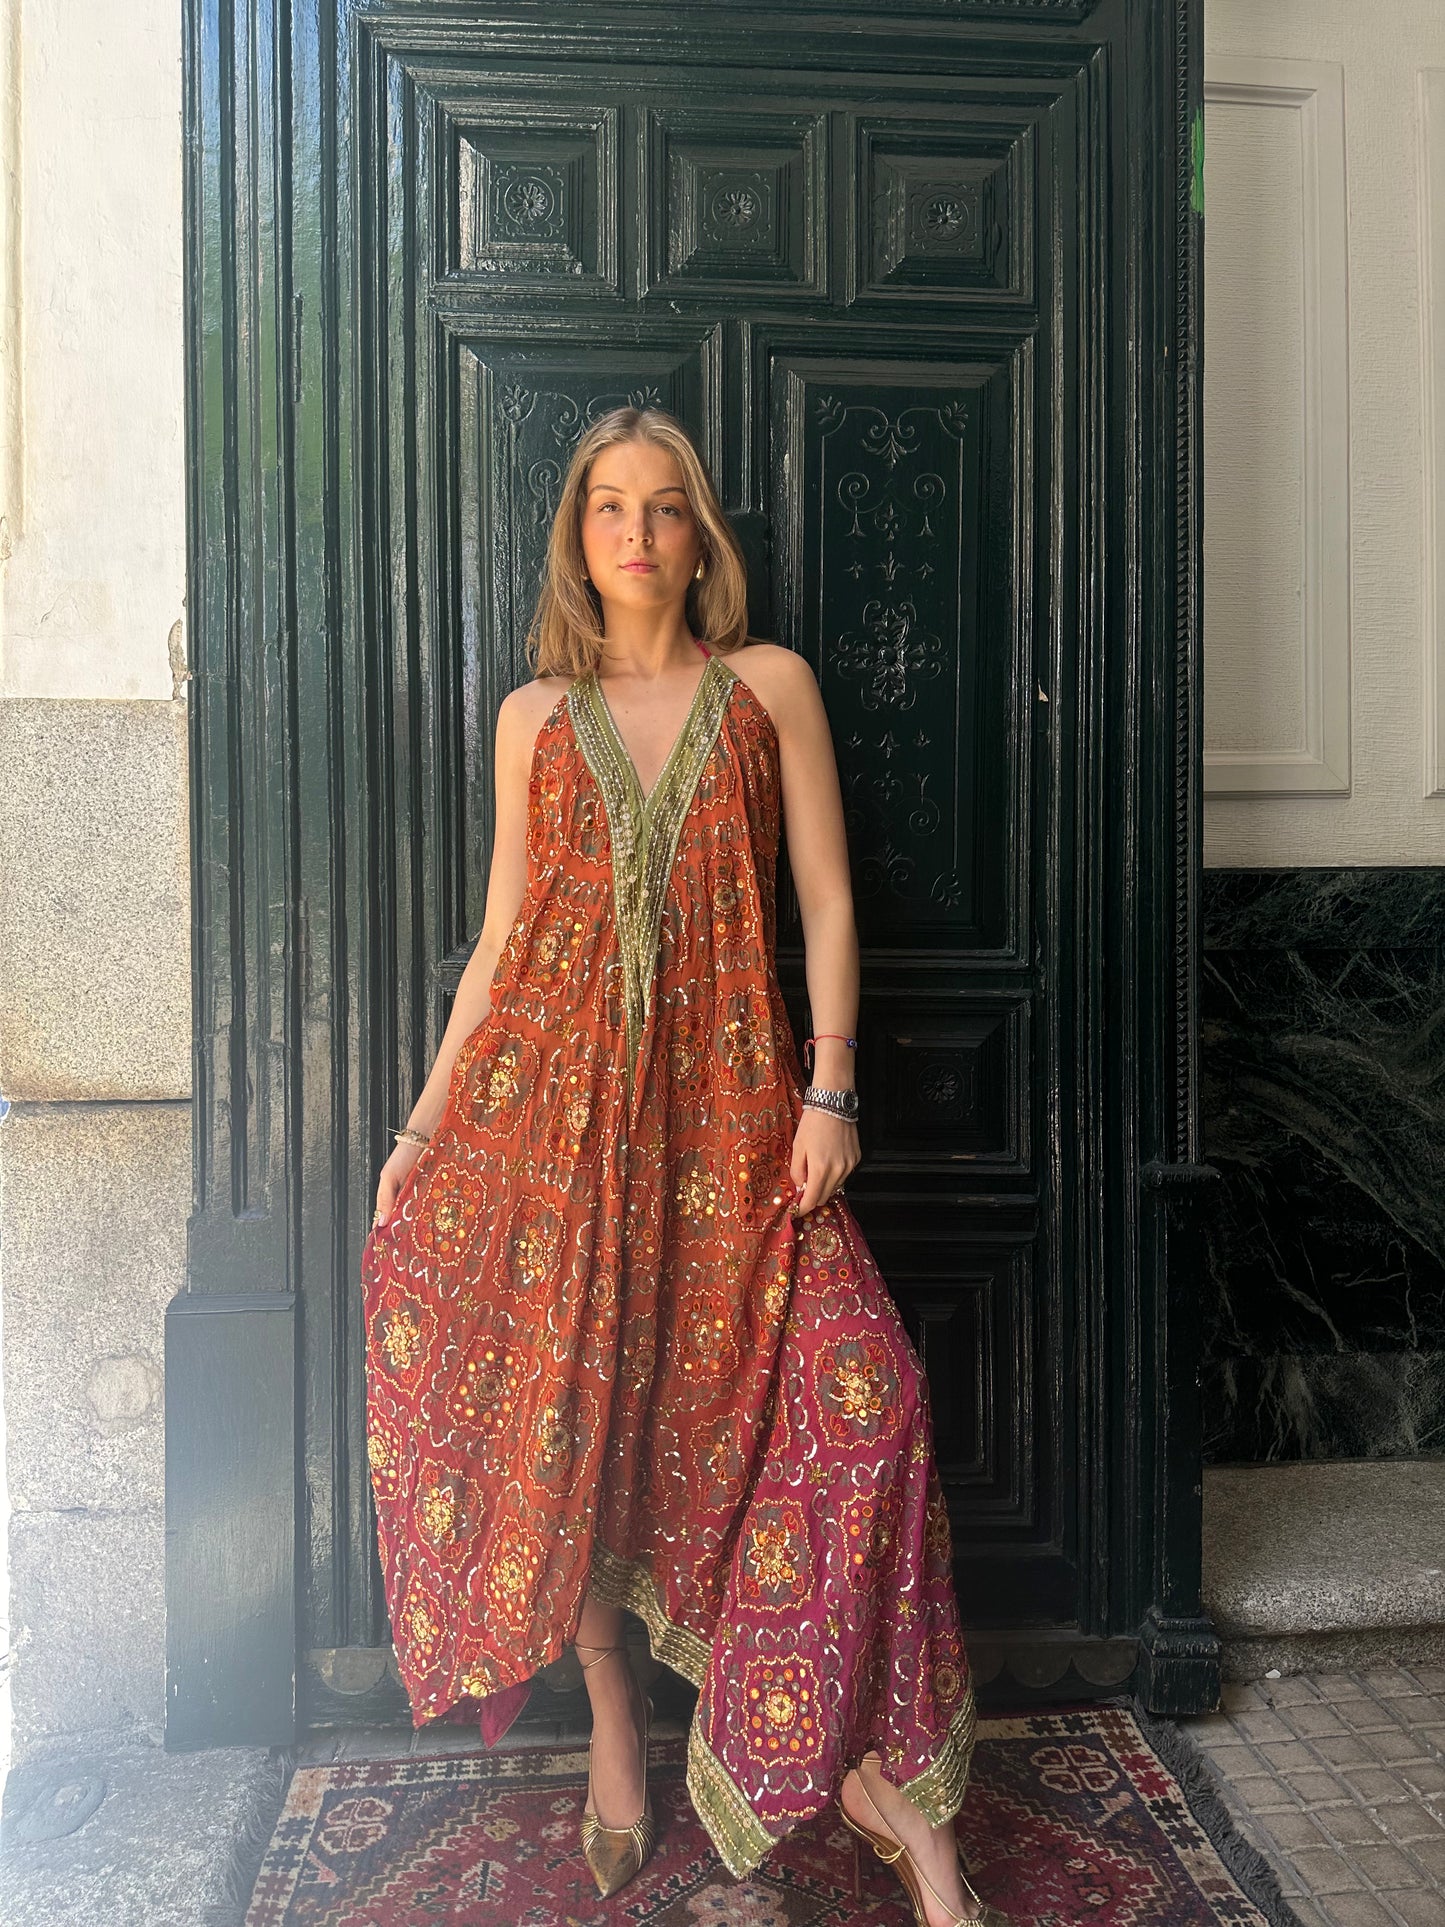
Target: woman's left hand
[(825, 1150)]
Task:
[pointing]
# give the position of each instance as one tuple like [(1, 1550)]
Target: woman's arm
[(825, 1149), (518, 720)]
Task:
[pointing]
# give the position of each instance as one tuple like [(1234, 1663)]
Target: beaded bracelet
[(808, 1042), (408, 1136)]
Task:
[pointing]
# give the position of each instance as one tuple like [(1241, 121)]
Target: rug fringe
[(253, 1834), (1186, 1760)]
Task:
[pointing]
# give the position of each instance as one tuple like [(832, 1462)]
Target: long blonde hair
[(565, 638)]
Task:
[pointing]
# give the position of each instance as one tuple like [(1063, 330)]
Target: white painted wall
[(1324, 404), (91, 435)]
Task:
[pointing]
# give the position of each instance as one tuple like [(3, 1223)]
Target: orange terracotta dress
[(602, 1352)]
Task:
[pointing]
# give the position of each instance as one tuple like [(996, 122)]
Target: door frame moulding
[(1431, 88), (1314, 91)]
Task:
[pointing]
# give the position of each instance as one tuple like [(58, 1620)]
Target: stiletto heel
[(617, 1854), (894, 1854)]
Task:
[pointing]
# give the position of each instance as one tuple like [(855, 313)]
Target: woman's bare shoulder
[(781, 679), (523, 710)]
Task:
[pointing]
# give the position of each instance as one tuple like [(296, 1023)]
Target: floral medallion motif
[(445, 1207), (870, 1522), (422, 1623), (533, 1248), (400, 1335), (776, 1565), (486, 1394), (509, 1579), (782, 1708), (858, 1389)]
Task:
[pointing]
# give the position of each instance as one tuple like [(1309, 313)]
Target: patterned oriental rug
[(1071, 1816)]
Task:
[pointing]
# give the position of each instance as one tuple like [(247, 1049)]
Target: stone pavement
[(1338, 1779), (118, 1833)]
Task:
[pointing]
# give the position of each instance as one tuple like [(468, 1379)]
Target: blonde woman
[(627, 1347)]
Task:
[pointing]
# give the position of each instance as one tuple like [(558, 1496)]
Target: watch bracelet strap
[(834, 1102)]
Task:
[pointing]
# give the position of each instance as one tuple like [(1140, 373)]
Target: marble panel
[(1322, 1015)]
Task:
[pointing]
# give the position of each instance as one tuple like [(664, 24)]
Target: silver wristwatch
[(842, 1104)]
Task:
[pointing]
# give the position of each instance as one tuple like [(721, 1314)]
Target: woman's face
[(640, 538)]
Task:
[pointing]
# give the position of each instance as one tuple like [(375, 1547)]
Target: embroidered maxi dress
[(602, 1352)]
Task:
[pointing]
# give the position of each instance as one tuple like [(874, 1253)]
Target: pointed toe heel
[(616, 1855), (894, 1854)]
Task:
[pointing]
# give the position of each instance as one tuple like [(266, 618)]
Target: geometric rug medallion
[(1071, 1816)]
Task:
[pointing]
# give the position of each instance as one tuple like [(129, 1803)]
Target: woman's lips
[(640, 568)]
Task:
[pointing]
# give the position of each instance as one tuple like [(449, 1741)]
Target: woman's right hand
[(394, 1174)]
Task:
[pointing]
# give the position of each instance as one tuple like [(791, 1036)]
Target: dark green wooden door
[(894, 269)]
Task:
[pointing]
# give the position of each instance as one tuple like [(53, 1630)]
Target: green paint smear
[(1196, 142)]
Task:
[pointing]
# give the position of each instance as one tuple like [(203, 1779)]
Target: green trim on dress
[(740, 1837), (644, 829)]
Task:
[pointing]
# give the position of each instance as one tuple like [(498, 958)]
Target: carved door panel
[(889, 271), (847, 287)]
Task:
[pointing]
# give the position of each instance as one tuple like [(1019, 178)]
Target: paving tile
[(1316, 1788), (1293, 1829), (1411, 1821), (1431, 1856), (1314, 1721), (1375, 1785), (1369, 1715), (1350, 1749), (1324, 1870), (1339, 1686), (1397, 1746), (1237, 1762), (1211, 1730), (1417, 1714), (1391, 1682), (1384, 1866), (1311, 1913), (1237, 1696), (1339, 1780), (1261, 1724), (1350, 1824), (1417, 1908), (1359, 1910), (1295, 1690), (1269, 1796), (1288, 1756)]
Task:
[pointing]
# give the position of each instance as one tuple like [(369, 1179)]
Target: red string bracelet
[(808, 1042)]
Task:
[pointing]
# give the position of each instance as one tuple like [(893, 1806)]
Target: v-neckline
[(644, 798)]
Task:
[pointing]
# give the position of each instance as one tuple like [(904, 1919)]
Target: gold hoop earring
[(698, 573)]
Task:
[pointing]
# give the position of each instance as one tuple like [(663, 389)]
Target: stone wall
[(95, 1022)]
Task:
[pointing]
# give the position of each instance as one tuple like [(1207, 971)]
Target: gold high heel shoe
[(897, 1856), (617, 1854)]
